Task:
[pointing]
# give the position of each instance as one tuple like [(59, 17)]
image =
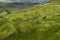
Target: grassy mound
[(41, 22)]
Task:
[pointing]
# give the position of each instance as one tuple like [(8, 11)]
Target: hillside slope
[(41, 22)]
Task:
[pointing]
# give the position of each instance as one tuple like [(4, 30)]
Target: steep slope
[(41, 22), (11, 7)]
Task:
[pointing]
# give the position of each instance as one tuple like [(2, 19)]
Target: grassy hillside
[(11, 7), (41, 22)]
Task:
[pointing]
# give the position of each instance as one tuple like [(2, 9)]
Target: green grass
[(40, 22)]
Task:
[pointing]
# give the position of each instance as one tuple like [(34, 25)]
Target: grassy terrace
[(40, 22)]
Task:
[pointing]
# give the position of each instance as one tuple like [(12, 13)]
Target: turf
[(40, 22)]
